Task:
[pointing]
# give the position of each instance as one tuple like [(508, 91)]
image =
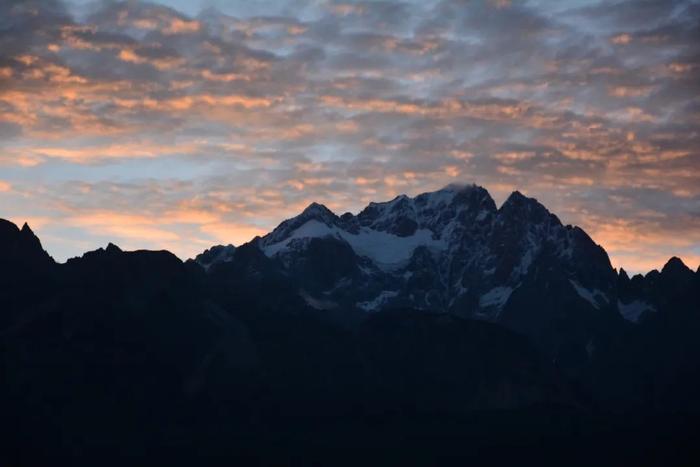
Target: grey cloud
[(302, 103)]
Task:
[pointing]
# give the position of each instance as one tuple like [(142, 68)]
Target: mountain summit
[(448, 248), (451, 251)]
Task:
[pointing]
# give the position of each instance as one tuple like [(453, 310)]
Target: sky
[(182, 124)]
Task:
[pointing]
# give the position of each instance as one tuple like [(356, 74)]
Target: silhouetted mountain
[(21, 247), (420, 331), (216, 254), (24, 270)]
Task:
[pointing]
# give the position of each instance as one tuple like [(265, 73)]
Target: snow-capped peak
[(434, 215), (319, 212), (451, 248), (388, 233), (313, 211)]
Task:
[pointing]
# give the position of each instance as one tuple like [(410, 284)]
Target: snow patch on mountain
[(444, 196), (590, 348), (310, 229), (215, 255), (317, 303), (379, 301), (633, 311), (498, 296), (595, 297), (386, 250), (526, 260)]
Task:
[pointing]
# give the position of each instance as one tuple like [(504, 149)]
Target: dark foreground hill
[(121, 358)]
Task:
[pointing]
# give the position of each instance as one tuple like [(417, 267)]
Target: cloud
[(136, 121)]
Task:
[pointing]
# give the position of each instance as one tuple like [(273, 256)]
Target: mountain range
[(426, 328), (453, 251)]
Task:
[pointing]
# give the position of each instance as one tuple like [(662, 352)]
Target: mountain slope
[(450, 250), (453, 251)]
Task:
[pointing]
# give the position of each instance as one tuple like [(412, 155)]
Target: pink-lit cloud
[(134, 122)]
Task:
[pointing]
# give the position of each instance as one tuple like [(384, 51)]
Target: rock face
[(643, 295), (452, 251), (215, 255)]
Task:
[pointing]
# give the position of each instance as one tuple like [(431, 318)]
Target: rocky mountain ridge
[(454, 251)]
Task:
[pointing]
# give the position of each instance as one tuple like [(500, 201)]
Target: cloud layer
[(134, 122)]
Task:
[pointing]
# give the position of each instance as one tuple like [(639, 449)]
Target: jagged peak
[(517, 198), (222, 247), (216, 254), (654, 273), (384, 204), (316, 209), (460, 187), (675, 265), (21, 242), (112, 248), (456, 188), (475, 194), (451, 190), (26, 229), (520, 205)]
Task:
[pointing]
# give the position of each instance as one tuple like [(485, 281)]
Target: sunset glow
[(178, 125)]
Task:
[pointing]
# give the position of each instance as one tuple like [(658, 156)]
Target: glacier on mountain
[(386, 250), (452, 250), (634, 310)]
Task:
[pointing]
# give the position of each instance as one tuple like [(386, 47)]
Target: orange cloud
[(621, 39), (514, 156), (443, 109), (179, 26), (500, 3), (188, 216), (129, 55), (345, 9), (5, 187), (226, 232), (641, 245), (630, 91), (374, 105), (296, 30), (189, 102), (224, 77), (362, 181), (133, 150), (130, 226), (452, 171), (38, 69), (681, 68), (168, 228)]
